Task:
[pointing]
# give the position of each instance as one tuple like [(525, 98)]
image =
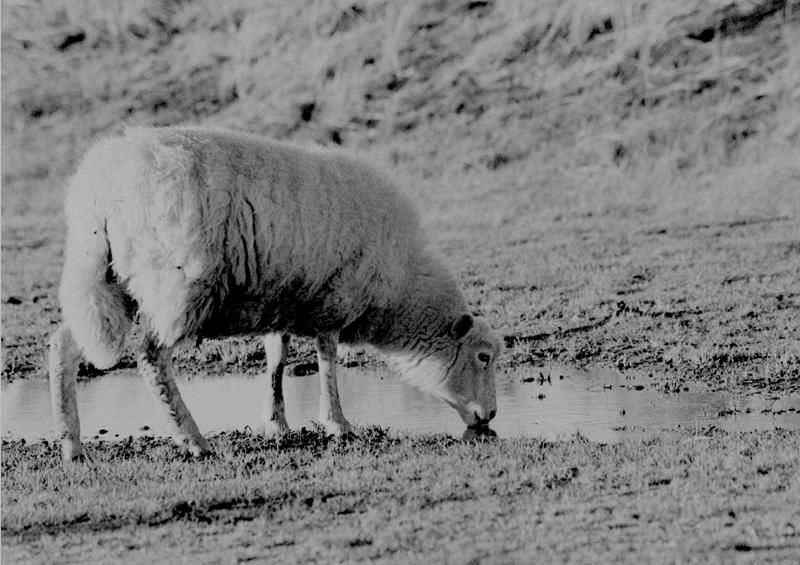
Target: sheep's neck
[(419, 320)]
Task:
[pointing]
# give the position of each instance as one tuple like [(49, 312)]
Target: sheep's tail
[(93, 303)]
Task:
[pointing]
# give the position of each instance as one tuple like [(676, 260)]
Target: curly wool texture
[(217, 233)]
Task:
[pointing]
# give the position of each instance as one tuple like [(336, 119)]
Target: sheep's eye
[(484, 358)]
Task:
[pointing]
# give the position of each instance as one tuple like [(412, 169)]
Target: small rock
[(13, 300), (102, 431)]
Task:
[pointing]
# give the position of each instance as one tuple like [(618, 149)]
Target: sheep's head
[(468, 384), (462, 372)]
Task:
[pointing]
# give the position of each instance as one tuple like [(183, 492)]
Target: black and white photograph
[(400, 281)]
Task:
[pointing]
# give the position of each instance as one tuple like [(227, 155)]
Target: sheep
[(207, 233)]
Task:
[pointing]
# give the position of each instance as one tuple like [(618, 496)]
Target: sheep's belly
[(256, 316)]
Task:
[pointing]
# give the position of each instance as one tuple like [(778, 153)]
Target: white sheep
[(211, 233)]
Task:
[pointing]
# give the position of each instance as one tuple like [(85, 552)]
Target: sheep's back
[(220, 233)]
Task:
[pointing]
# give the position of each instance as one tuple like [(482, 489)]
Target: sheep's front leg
[(64, 360), (155, 366), (330, 411), (273, 416)]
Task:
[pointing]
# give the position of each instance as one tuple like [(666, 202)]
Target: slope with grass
[(616, 183)]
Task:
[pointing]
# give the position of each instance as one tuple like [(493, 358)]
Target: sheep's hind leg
[(155, 366), (330, 410), (273, 416), (63, 364)]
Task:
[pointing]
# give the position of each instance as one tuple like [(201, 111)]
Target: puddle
[(602, 406)]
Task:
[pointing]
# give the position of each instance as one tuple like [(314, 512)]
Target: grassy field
[(615, 183), (711, 497)]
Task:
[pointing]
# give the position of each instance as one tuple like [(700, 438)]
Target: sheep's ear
[(461, 326)]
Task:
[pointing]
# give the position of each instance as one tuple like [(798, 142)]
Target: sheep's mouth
[(479, 425)]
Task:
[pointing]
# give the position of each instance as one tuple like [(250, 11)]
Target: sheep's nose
[(482, 422)]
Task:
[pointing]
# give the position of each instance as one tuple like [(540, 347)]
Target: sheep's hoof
[(273, 428), (341, 428), (200, 448), (72, 451)]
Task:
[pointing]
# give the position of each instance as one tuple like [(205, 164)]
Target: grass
[(712, 497)]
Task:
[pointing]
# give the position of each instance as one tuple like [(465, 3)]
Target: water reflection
[(602, 406), (479, 434)]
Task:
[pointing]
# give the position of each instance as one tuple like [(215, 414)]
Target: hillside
[(615, 182)]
